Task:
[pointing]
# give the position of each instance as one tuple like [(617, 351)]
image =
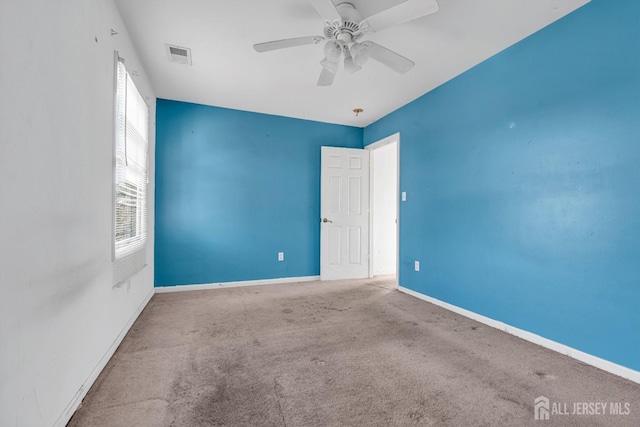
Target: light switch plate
[(404, 196)]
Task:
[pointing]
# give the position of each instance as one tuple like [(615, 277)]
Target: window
[(130, 177)]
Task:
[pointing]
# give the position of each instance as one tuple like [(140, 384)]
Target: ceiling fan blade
[(391, 59), (281, 44), (404, 12), (326, 77), (326, 9)]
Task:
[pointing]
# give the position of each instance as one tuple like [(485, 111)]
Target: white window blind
[(130, 177)]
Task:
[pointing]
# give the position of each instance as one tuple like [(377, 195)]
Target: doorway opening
[(384, 215)]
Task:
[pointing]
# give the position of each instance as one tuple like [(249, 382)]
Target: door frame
[(381, 143)]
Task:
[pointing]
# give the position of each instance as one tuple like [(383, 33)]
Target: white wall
[(384, 164), (60, 316)]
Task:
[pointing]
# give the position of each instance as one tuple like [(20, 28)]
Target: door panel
[(334, 245), (355, 248), (344, 238)]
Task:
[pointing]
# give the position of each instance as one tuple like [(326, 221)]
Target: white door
[(344, 210)]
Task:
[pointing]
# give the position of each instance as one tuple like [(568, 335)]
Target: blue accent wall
[(233, 189), (523, 184)]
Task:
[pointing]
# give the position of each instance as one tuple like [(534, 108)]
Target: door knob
[(326, 220)]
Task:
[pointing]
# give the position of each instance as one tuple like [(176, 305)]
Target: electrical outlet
[(404, 196), (417, 266), (280, 256)]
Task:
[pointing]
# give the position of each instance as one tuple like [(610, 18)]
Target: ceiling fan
[(344, 28)]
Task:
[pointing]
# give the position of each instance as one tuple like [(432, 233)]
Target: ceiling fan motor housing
[(346, 30)]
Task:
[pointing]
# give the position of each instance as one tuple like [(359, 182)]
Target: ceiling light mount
[(357, 111)]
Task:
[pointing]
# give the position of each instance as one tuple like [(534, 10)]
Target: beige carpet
[(352, 353)]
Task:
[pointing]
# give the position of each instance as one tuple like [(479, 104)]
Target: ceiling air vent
[(181, 55)]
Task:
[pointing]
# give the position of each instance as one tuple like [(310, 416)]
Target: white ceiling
[(227, 72)]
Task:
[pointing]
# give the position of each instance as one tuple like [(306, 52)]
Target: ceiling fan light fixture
[(329, 65), (332, 50), (349, 65), (361, 53)]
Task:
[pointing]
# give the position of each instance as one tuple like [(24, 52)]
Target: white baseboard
[(82, 392), (587, 358), (183, 288)]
